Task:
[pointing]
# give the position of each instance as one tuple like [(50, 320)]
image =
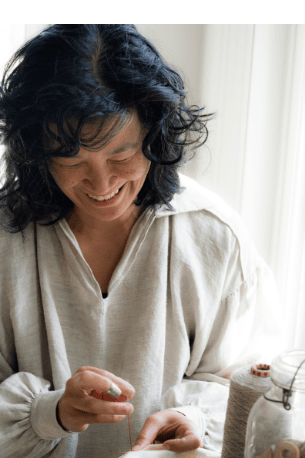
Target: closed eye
[(126, 158), (123, 160), (72, 166)]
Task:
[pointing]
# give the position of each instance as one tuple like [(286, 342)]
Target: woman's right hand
[(77, 409)]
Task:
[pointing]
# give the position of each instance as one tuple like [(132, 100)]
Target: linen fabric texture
[(190, 301)]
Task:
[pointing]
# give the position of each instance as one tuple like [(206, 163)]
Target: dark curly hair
[(88, 73)]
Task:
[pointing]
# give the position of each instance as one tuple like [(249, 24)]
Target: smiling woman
[(108, 179), (117, 274)]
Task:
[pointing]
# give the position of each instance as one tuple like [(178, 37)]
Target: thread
[(105, 397), (245, 388)]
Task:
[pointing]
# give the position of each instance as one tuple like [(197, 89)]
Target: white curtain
[(259, 146), (254, 77)]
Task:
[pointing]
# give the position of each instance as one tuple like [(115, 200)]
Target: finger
[(84, 418), (118, 380), (84, 382), (147, 435), (105, 397), (185, 444), (95, 406), (121, 383)]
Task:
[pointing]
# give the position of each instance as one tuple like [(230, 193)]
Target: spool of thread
[(246, 386)]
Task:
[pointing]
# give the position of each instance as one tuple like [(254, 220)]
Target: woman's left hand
[(177, 433)]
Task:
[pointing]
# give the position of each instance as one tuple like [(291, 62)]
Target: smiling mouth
[(102, 198)]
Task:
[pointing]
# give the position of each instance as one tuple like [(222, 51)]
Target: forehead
[(104, 130)]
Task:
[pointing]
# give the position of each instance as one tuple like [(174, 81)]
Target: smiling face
[(104, 184)]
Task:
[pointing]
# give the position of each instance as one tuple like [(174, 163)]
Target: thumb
[(146, 437)]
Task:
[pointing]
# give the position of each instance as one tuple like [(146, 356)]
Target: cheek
[(63, 178), (137, 169)]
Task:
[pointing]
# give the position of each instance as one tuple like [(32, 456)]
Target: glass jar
[(276, 424)]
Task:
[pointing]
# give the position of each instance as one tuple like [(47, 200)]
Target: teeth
[(104, 197)]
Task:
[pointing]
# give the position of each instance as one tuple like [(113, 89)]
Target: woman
[(118, 274)]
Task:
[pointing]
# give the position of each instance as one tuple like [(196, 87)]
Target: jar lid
[(284, 367)]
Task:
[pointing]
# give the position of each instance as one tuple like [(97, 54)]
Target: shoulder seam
[(244, 281)]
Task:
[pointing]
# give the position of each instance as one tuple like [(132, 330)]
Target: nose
[(100, 178)]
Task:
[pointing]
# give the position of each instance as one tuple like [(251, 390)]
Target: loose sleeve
[(246, 329), (28, 425)]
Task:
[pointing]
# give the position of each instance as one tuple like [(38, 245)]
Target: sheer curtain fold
[(288, 249)]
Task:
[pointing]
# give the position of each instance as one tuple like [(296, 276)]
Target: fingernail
[(136, 447)]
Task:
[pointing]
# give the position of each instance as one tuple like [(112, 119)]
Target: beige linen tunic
[(190, 300)]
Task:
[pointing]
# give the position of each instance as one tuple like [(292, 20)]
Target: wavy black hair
[(88, 73)]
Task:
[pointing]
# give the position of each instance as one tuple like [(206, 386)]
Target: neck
[(96, 229)]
